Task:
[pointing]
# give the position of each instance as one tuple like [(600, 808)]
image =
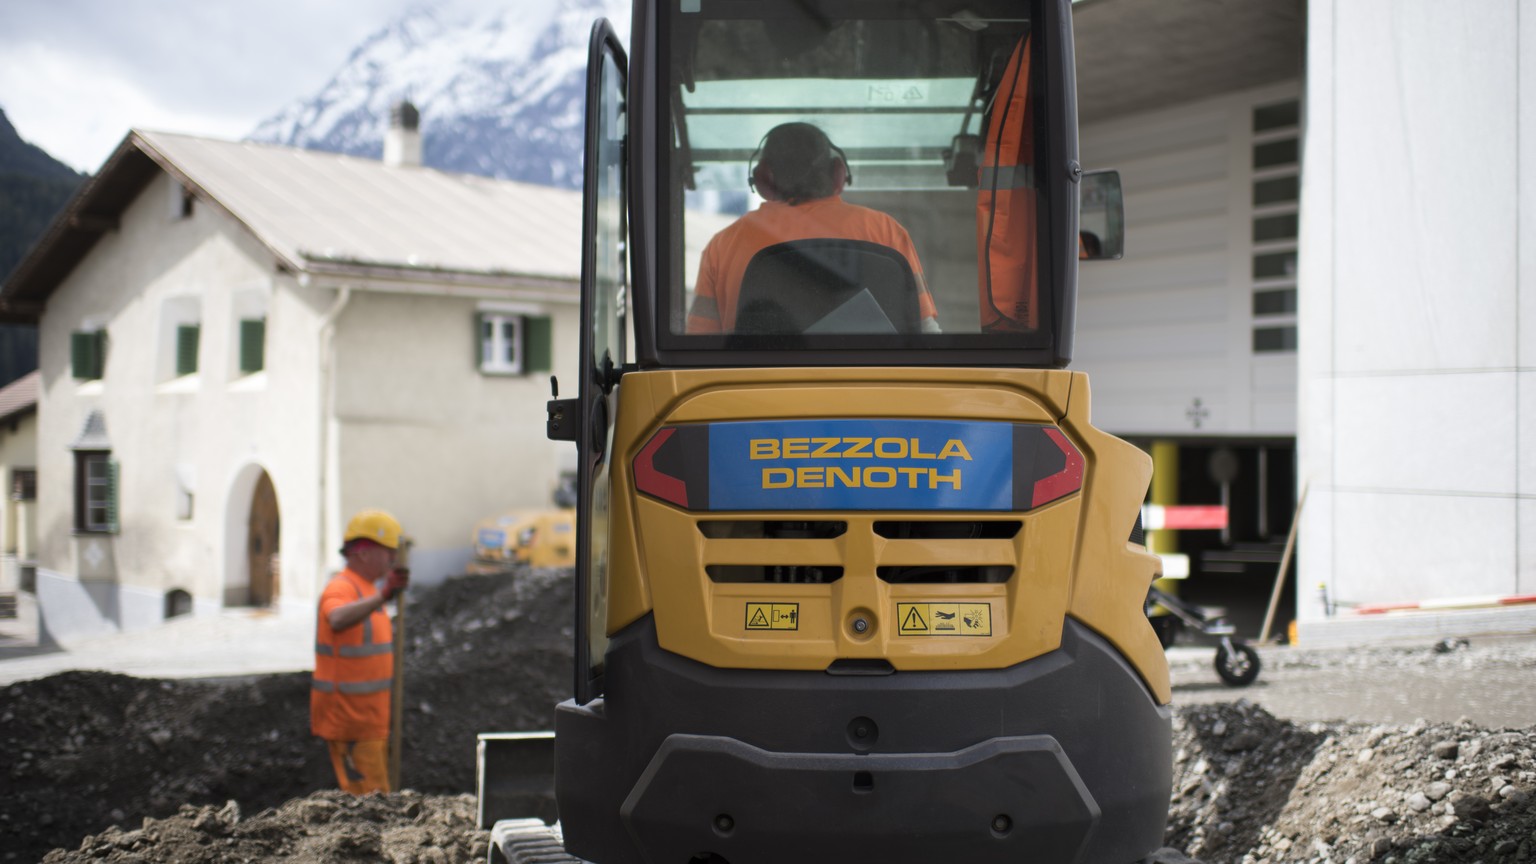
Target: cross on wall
[(1197, 413)]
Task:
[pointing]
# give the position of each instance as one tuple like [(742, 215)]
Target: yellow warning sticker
[(944, 619), (773, 616)]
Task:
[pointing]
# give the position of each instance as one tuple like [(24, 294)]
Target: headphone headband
[(841, 173)]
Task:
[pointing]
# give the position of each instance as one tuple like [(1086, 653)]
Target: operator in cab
[(801, 174)]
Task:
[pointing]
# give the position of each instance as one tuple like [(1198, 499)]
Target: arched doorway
[(263, 533)]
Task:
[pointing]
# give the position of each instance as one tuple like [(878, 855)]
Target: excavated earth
[(102, 767), (153, 763)]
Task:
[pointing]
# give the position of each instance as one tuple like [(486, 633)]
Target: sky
[(76, 75)]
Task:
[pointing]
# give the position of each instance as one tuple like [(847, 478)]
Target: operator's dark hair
[(802, 160), (346, 548)]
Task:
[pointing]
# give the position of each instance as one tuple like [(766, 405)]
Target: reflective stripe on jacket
[(349, 696), (1005, 206)]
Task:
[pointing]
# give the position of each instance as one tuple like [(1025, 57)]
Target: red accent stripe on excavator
[(1063, 482), (651, 481)]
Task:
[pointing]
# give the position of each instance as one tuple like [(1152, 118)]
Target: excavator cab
[(857, 579)]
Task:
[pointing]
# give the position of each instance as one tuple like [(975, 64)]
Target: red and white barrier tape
[(1475, 602)]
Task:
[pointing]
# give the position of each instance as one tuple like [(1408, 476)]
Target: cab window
[(848, 174)]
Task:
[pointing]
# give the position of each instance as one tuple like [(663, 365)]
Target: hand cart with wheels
[(1236, 661)]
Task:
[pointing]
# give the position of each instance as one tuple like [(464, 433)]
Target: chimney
[(402, 143)]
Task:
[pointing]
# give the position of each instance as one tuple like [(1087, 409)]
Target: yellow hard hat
[(375, 525)]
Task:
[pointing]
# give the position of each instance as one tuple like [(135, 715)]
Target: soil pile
[(1253, 789), (83, 751), (325, 827), (162, 771), (483, 654)]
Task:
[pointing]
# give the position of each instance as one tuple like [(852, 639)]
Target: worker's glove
[(395, 582)]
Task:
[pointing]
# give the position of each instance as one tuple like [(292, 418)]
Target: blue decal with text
[(861, 465)]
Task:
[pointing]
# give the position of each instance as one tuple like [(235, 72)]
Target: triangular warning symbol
[(914, 621), (758, 619)]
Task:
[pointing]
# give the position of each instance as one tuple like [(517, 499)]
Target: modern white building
[(1190, 340), (1417, 359), (1327, 289), (242, 345)]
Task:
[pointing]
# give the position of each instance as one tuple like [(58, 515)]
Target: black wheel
[(1238, 667)]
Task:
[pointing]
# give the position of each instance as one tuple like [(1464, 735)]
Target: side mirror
[(1101, 217)]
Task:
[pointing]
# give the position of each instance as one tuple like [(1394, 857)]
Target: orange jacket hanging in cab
[(1005, 206)]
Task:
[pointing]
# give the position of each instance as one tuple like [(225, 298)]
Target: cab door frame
[(604, 289)]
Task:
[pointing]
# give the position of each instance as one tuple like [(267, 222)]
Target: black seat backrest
[(790, 287)]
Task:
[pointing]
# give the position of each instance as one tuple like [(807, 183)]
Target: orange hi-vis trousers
[(361, 766)]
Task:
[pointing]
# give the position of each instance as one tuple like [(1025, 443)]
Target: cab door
[(604, 287)]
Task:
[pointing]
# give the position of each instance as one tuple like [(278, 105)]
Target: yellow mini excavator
[(857, 579)]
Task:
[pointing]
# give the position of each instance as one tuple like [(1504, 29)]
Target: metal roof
[(325, 214), (19, 397)]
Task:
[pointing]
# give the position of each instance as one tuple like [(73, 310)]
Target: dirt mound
[(86, 750), (483, 654), (331, 826), (94, 754), (1250, 788)]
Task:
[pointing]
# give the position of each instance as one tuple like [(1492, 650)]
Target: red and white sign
[(1183, 517)]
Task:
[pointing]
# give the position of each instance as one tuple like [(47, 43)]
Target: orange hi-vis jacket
[(1009, 284), (349, 697), (725, 258)]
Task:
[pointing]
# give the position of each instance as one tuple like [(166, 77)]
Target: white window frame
[(501, 354), (97, 492)]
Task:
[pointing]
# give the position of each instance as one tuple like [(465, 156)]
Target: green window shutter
[(481, 337), (186, 349), (86, 351), (253, 345), (80, 346), (538, 344), (112, 475)]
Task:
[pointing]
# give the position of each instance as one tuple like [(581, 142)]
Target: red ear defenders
[(758, 174)]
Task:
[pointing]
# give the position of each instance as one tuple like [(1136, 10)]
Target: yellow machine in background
[(537, 538)]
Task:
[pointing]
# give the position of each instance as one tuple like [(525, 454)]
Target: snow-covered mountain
[(500, 93)]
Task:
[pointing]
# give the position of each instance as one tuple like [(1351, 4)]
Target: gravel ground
[(1251, 788), (188, 771), (1488, 681)]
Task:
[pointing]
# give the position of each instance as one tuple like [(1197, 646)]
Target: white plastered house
[(18, 489), (241, 345)]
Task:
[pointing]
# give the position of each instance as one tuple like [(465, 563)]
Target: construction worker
[(801, 174), (354, 660)]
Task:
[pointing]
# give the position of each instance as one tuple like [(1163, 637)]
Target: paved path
[(235, 642), (1492, 682)]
